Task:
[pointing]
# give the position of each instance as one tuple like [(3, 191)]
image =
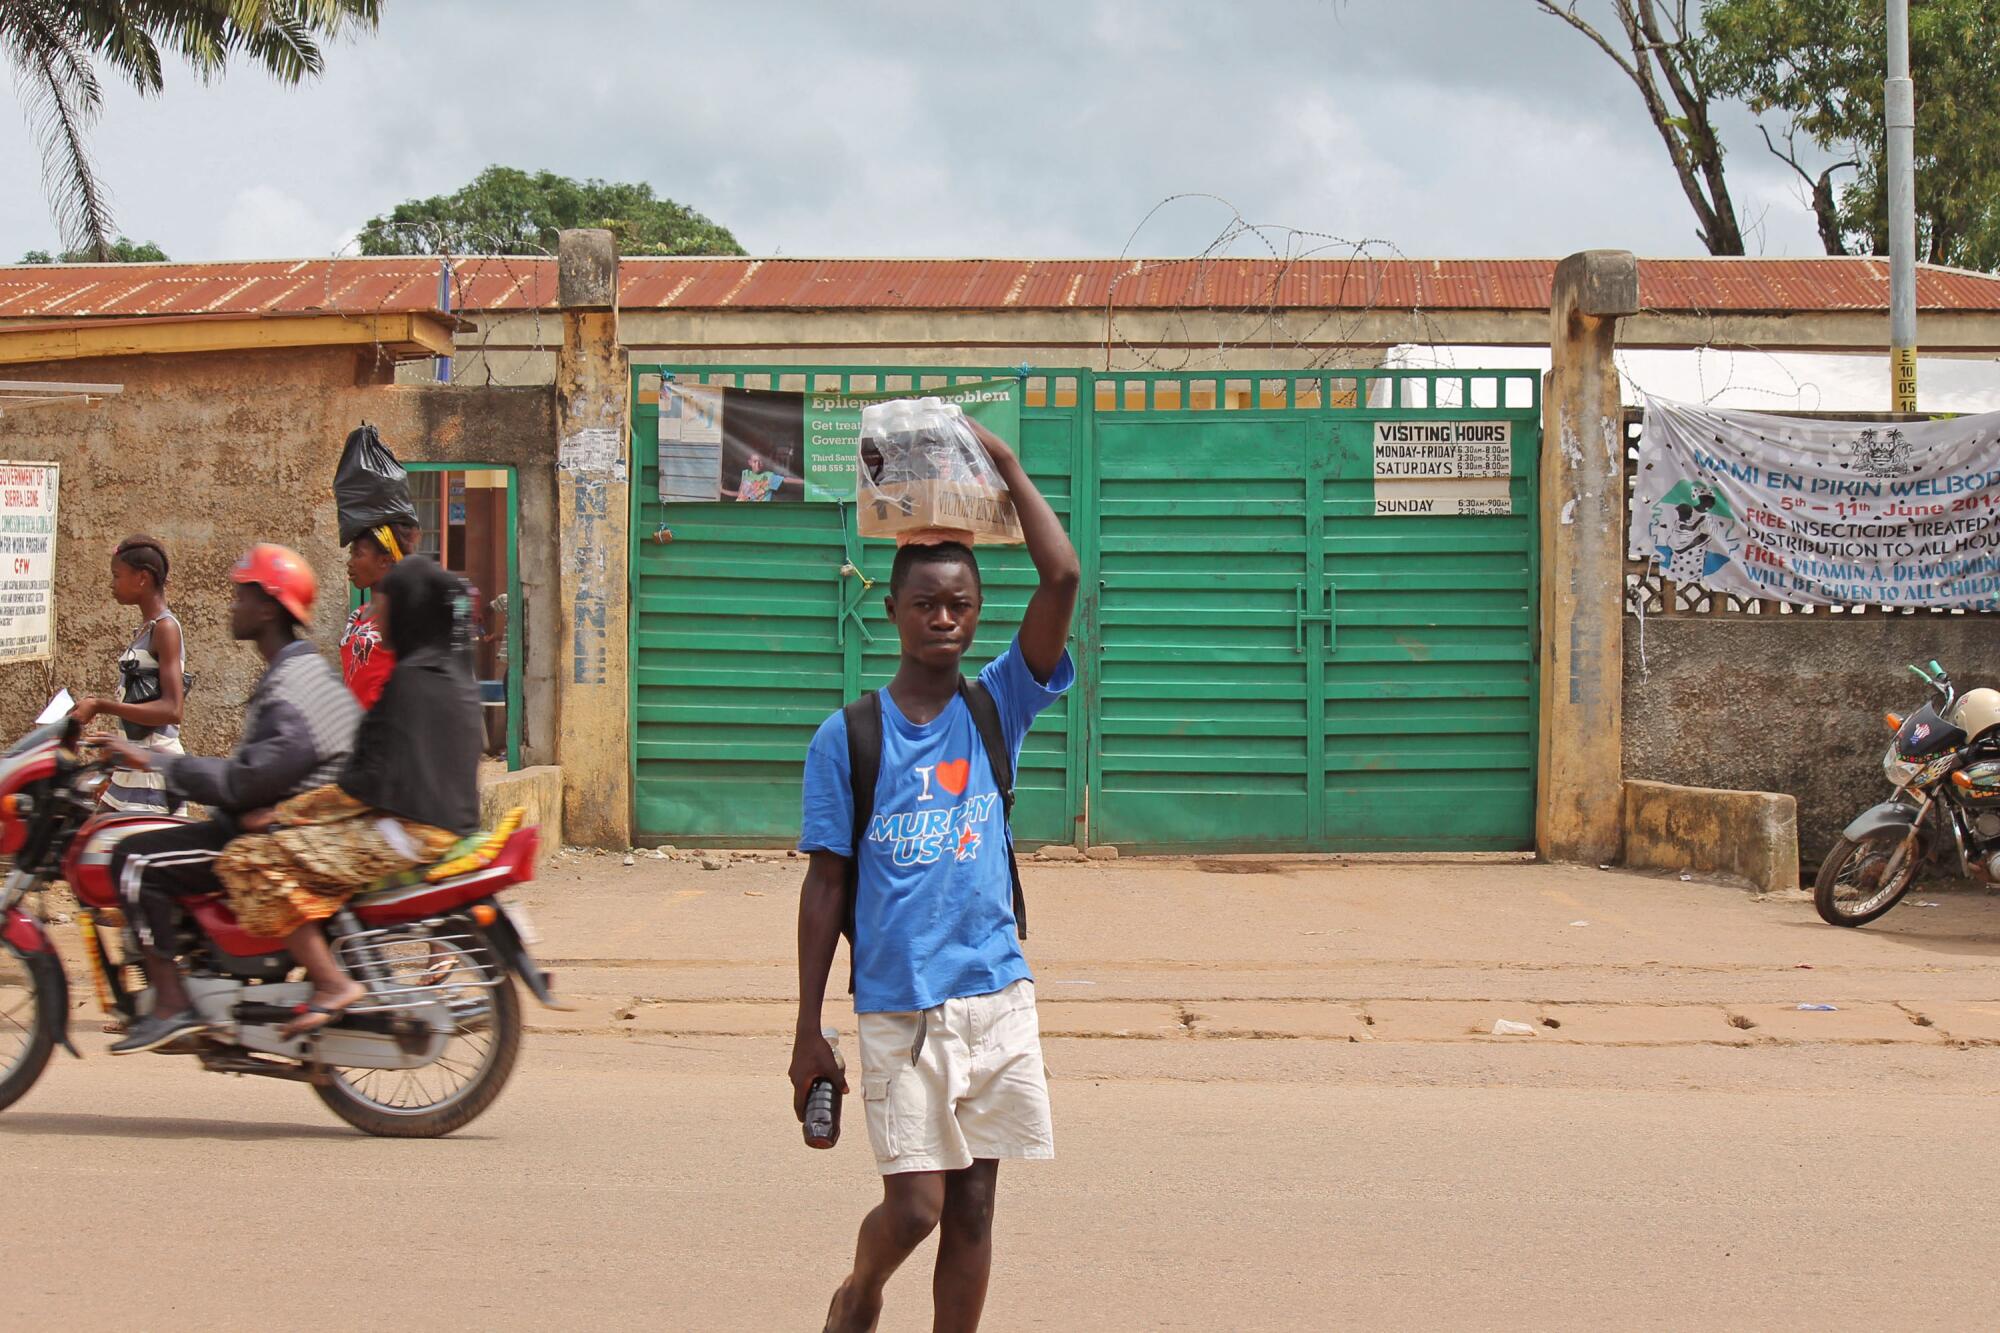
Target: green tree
[(124, 250), (1818, 64), (57, 46), (1816, 68), (506, 211)]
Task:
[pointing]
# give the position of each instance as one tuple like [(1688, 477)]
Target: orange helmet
[(281, 572)]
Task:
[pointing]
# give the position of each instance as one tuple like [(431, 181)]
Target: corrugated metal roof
[(356, 286)]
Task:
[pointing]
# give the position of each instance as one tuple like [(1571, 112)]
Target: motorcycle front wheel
[(1859, 881), (31, 1016)]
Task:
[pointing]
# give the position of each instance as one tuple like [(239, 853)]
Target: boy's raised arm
[(1045, 626)]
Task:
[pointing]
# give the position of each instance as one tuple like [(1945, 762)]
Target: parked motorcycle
[(424, 1053), (1945, 813)]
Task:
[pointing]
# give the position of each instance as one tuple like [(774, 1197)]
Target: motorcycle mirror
[(59, 708)]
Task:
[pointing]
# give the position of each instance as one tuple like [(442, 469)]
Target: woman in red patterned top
[(366, 659)]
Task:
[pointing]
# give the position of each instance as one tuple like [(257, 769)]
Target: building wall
[(212, 452), (520, 348), (1786, 703)]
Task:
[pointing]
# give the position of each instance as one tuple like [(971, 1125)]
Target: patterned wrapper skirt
[(330, 848)]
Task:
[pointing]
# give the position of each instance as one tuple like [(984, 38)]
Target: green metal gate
[(1277, 666), (754, 622), (1266, 663)]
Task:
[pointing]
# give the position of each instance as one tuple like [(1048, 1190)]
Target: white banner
[(27, 561), (1821, 512)]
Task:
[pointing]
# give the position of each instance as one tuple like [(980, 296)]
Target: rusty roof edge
[(1058, 261), (456, 323), (1044, 260), (1696, 284), (293, 264)]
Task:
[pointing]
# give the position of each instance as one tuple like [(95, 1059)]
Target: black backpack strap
[(986, 717), (864, 766)]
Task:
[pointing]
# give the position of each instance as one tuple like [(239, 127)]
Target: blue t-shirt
[(934, 906)]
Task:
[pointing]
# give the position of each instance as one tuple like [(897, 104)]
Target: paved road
[(639, 1176)]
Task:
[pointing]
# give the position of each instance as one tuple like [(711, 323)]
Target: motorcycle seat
[(468, 854)]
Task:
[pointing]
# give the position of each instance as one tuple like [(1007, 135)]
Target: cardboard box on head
[(936, 536), (923, 477)]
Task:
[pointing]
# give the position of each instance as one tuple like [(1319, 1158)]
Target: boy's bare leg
[(965, 1247), (912, 1202)]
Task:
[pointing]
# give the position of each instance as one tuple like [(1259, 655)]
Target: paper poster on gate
[(1452, 468), (28, 561), (1821, 512), (762, 446)]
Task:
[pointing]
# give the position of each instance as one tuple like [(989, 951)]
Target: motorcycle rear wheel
[(422, 1104), (31, 1016), (1853, 886)]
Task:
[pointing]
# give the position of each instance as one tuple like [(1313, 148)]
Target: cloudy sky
[(1461, 127), (1436, 127)]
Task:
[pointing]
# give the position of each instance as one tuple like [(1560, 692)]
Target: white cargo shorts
[(963, 1081)]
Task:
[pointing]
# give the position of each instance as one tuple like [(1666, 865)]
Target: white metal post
[(1899, 103)]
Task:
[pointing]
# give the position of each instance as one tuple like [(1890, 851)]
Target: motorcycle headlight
[(1898, 770)]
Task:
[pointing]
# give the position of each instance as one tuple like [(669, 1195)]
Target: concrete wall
[(211, 452), (1788, 704), (521, 348)]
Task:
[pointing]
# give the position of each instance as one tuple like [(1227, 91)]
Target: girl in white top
[(152, 676)]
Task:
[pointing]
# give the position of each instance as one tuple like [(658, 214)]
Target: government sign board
[(27, 561)]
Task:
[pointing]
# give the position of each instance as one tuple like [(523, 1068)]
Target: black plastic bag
[(370, 488)]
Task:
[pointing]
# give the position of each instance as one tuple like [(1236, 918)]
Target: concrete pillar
[(593, 507), (1580, 813)]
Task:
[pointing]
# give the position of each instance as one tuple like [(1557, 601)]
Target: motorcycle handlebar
[(1940, 680)]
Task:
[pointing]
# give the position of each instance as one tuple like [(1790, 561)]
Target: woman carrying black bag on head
[(379, 527), (152, 677)]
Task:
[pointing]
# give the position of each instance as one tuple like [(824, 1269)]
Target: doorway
[(468, 517)]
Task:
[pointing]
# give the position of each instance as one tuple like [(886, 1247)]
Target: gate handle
[(848, 612), (1303, 615)]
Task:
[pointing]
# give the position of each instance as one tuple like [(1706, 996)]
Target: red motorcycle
[(427, 1050)]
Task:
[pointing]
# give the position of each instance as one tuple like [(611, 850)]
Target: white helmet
[(1978, 712)]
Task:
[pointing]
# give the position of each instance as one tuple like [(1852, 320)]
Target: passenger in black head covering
[(417, 754), (409, 793)]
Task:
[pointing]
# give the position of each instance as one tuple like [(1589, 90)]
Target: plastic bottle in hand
[(822, 1126)]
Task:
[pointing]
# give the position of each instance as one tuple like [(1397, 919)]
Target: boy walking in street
[(951, 1062)]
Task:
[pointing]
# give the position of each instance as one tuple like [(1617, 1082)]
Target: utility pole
[(1900, 104)]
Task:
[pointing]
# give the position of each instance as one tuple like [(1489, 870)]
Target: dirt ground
[(1279, 1106)]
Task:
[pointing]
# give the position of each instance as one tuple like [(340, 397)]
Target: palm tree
[(56, 46)]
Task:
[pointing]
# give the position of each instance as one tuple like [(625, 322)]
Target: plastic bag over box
[(370, 488), (924, 476)]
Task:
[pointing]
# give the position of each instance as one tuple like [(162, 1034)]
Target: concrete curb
[(1694, 1023), (1751, 835), (539, 791)]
